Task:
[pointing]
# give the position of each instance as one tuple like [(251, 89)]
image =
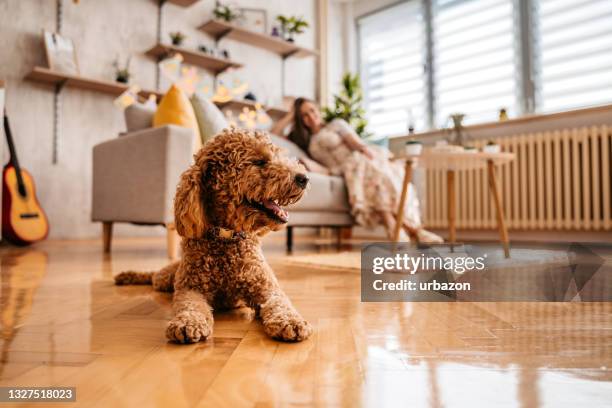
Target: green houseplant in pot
[(177, 38), (291, 26), (122, 74), (225, 13), (347, 105)]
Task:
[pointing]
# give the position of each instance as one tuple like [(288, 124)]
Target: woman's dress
[(374, 185)]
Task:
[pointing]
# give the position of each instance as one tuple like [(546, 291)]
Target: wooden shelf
[(46, 75), (220, 29), (208, 62), (182, 3)]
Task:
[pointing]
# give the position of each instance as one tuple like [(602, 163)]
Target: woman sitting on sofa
[(374, 182)]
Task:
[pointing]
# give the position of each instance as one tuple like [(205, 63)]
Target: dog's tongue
[(276, 209)]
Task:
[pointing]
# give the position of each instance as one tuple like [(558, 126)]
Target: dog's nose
[(301, 180)]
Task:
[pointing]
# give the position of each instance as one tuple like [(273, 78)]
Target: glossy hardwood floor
[(64, 323)]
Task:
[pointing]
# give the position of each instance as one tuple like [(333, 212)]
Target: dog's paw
[(293, 328), (188, 329)]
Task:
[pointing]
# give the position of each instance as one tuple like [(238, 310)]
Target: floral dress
[(374, 185)]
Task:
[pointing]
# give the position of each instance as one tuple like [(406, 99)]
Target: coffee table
[(451, 162)]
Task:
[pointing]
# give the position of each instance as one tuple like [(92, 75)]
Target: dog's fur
[(231, 172)]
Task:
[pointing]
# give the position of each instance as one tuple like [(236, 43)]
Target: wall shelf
[(181, 3), (48, 76), (200, 59), (220, 29)]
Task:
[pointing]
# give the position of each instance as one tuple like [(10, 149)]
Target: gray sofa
[(325, 203), (135, 178)]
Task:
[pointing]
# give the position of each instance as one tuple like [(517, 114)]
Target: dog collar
[(226, 234)]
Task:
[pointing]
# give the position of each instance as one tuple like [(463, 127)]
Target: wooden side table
[(451, 162)]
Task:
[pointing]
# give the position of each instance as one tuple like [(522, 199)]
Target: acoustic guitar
[(23, 220)]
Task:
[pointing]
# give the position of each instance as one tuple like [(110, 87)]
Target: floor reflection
[(21, 273)]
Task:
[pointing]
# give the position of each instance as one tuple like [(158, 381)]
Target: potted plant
[(348, 106), (413, 148), (122, 74), (177, 38), (225, 13), (291, 25), (491, 147)]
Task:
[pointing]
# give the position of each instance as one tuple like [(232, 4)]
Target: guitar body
[(23, 219)]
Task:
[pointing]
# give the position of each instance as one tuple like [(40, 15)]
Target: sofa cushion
[(292, 149), (210, 119), (139, 116), (175, 109), (325, 193)]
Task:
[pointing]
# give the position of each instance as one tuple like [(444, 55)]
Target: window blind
[(574, 53), (392, 56), (476, 69)]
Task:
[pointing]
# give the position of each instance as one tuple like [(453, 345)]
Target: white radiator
[(559, 180)]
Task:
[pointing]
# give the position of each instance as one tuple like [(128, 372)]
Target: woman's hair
[(300, 134)]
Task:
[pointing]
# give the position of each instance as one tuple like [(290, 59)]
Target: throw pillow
[(139, 116), (175, 109), (211, 120)]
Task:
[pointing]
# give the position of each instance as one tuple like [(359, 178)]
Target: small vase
[(122, 80)]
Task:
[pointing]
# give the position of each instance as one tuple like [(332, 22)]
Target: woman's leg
[(389, 223)]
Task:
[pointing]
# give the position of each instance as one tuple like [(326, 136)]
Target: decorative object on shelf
[(291, 26), (250, 96), (227, 13), (413, 148), (275, 32), (347, 105), (470, 149), (491, 147), (254, 19), (129, 97), (458, 135), (503, 115), (214, 52), (61, 53), (177, 38), (122, 74)]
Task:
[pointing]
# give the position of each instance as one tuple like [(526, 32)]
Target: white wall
[(101, 29)]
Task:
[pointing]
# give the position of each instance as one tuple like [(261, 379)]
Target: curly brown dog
[(224, 202)]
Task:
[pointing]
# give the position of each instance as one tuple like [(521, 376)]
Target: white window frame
[(525, 29)]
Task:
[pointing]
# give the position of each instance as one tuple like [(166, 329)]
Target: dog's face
[(239, 181)]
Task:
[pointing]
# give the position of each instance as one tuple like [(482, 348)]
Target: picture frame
[(254, 19), (61, 53)]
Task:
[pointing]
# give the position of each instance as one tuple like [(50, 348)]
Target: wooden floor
[(64, 323)]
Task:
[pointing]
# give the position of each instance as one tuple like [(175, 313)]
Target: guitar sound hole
[(28, 215)]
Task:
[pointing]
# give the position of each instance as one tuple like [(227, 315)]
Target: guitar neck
[(13, 159), (9, 140)]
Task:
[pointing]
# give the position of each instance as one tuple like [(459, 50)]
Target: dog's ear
[(189, 210)]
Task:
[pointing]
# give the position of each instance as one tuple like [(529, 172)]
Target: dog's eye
[(260, 163)]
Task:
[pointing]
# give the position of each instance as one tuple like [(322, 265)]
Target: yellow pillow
[(175, 109)]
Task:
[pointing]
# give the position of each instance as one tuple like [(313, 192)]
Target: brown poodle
[(224, 202)]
